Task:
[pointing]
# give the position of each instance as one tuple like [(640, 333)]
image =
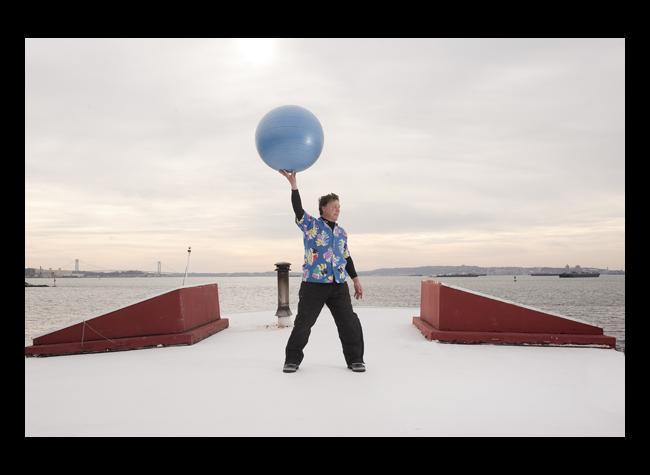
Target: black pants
[(312, 297)]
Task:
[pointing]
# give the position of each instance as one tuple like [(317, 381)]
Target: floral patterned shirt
[(326, 250)]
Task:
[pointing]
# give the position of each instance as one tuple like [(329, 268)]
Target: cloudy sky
[(490, 152)]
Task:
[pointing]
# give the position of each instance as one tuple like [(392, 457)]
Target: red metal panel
[(465, 311), (521, 338), (173, 314), (154, 316), (429, 298), (199, 305), (135, 343), (458, 315)]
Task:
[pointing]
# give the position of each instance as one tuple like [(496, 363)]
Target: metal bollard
[(284, 312)]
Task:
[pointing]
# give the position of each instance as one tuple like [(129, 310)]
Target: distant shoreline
[(424, 271), (273, 274)]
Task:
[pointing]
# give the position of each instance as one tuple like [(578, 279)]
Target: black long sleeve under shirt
[(297, 208)]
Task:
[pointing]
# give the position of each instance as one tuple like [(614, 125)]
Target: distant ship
[(580, 274), (27, 284), (544, 273), (458, 275)]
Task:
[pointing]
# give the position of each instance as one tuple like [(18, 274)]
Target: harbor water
[(598, 301)]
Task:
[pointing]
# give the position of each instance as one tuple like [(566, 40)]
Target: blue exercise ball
[(289, 138)]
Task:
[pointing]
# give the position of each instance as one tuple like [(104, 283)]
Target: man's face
[(331, 210)]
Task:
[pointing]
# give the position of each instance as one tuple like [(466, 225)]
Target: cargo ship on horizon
[(580, 274), (460, 275)]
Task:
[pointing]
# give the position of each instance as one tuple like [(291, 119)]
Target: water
[(598, 301)]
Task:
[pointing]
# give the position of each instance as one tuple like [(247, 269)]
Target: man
[(327, 263)]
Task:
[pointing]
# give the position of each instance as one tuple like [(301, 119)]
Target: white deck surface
[(232, 384)]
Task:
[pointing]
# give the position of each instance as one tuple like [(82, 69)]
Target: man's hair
[(323, 200)]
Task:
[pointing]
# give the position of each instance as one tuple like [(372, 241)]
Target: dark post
[(283, 312)]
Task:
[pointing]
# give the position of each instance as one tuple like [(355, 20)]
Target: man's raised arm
[(295, 194)]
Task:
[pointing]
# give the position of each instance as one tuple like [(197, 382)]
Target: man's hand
[(358, 290), (291, 176)]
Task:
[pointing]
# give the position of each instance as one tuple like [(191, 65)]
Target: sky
[(488, 152)]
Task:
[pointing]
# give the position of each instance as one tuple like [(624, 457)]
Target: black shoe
[(357, 367), (290, 368)]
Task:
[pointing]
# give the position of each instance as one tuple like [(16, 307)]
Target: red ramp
[(182, 316), (456, 315)]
